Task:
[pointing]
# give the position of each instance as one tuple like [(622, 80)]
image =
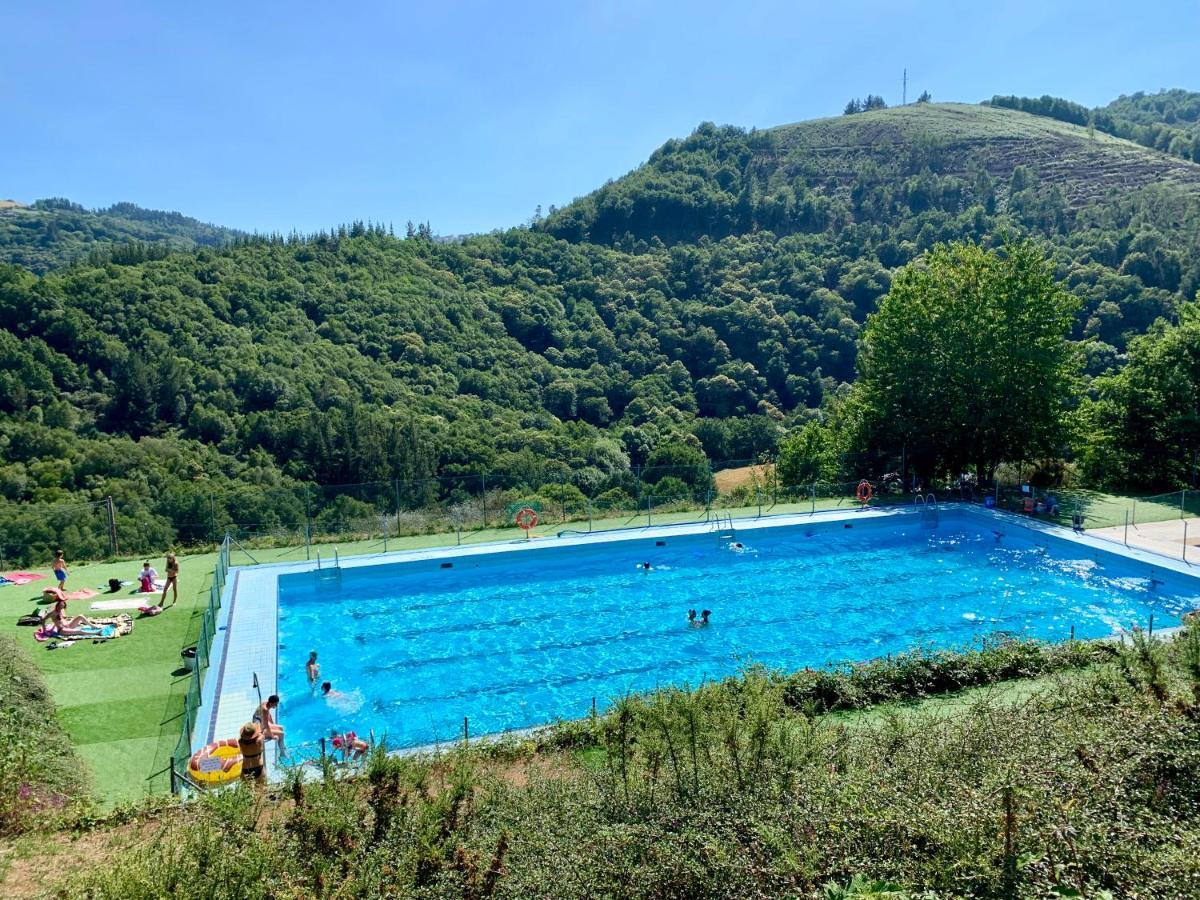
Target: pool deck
[(244, 651)]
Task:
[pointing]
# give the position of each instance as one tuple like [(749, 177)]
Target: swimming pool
[(510, 640)]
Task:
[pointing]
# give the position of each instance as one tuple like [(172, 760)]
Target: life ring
[(864, 492), (216, 763), (526, 518)]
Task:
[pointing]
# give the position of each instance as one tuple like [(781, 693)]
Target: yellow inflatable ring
[(216, 763)]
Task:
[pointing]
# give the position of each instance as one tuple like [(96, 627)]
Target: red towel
[(84, 594), (21, 577)]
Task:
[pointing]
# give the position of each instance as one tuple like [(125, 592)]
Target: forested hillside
[(55, 232), (709, 300)]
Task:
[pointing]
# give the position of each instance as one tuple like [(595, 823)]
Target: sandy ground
[(1161, 537)]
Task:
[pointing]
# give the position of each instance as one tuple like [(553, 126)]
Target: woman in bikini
[(172, 582), (250, 743), (63, 626)]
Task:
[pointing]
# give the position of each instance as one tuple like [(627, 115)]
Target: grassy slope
[(1087, 167)]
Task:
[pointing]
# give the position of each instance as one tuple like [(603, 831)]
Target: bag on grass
[(30, 620)]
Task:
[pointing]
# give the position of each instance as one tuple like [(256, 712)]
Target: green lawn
[(119, 701)]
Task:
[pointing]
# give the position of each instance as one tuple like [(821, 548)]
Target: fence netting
[(300, 521)]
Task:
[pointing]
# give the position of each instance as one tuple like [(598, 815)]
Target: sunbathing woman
[(63, 626)]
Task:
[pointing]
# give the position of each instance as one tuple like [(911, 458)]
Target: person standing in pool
[(60, 568), (313, 670), (172, 582)]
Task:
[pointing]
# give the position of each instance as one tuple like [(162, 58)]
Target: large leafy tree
[(967, 362), (1143, 430)]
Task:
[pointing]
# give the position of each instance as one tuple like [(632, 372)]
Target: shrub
[(40, 777)]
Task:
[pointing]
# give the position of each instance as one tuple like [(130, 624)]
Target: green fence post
[(483, 496)]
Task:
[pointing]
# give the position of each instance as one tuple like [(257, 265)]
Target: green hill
[(54, 233), (887, 167), (712, 297)]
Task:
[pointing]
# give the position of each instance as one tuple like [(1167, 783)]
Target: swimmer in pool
[(692, 617), (328, 691), (645, 567)]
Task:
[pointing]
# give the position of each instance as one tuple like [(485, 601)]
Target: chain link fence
[(305, 521)]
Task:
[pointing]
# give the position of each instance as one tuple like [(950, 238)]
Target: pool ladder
[(723, 526), (927, 506), (329, 574)]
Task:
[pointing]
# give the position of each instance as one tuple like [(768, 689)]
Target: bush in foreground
[(1088, 788), (39, 775)]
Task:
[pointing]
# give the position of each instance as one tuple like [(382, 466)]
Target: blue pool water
[(511, 640)]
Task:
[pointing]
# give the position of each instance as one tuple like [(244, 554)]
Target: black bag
[(30, 620), (114, 585)]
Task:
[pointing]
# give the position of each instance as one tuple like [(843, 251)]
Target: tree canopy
[(966, 363)]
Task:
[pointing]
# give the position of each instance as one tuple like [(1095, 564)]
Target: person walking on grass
[(172, 582), (60, 569)]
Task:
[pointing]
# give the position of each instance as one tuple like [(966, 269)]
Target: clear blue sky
[(272, 116)]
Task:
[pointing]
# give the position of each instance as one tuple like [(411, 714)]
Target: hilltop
[(53, 233), (945, 156)]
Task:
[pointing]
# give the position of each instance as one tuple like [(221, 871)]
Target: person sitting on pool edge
[(265, 717)]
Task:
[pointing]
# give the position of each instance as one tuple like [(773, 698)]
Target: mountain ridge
[(55, 232)]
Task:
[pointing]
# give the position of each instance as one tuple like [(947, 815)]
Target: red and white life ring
[(865, 492), (526, 518)]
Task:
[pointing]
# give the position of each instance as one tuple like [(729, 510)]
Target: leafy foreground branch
[(746, 789)]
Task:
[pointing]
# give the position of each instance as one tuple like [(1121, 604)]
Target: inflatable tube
[(864, 492), (216, 763)]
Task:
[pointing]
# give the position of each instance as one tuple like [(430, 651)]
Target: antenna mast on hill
[(904, 94)]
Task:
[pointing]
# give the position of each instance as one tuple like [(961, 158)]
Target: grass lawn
[(119, 701)]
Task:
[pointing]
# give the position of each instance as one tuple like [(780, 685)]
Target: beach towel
[(127, 603), (22, 577), (123, 623), (83, 594)]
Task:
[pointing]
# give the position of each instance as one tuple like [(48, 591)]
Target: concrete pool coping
[(245, 649)]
